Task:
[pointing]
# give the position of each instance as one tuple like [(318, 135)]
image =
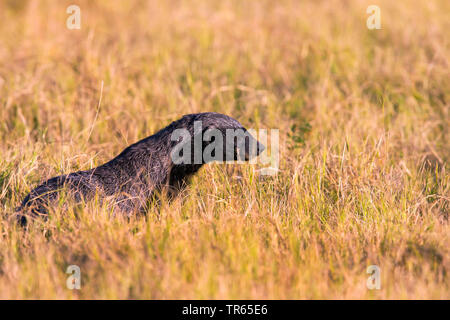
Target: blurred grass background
[(363, 118)]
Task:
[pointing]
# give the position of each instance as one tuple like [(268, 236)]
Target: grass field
[(364, 147)]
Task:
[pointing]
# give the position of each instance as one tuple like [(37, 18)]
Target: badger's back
[(40, 198)]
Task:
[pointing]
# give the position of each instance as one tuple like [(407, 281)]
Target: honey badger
[(163, 161)]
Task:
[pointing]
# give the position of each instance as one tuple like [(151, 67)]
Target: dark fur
[(134, 175)]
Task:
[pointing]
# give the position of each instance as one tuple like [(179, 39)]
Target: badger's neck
[(152, 157), (146, 159)]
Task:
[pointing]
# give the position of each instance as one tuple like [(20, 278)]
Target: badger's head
[(206, 137)]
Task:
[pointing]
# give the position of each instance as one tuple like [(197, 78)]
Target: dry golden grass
[(363, 177)]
